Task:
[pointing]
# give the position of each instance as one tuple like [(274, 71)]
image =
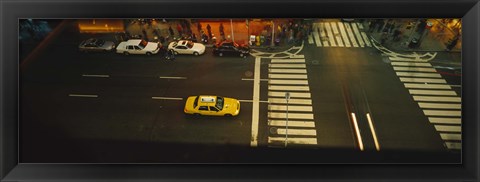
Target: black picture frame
[(11, 11)]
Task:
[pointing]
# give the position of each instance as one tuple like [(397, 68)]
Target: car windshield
[(100, 42), (143, 44), (195, 103), (219, 104), (190, 44)]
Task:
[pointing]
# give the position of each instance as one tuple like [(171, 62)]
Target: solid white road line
[(82, 95), (365, 39), (287, 70), (256, 103), (436, 99), (442, 113), (417, 69), (99, 76), (411, 64), (422, 80), (331, 38), (290, 76), (167, 98), (292, 94), (427, 86), (337, 35), (303, 132), (357, 131), (357, 34), (414, 74), (439, 106), (290, 115), (450, 136), (308, 141), (287, 66), (450, 145), (290, 108), (170, 77), (350, 34), (289, 82), (316, 35), (310, 39), (445, 120), (305, 124), (297, 56), (251, 101), (374, 134), (289, 88), (288, 61), (251, 79), (344, 34), (446, 128), (432, 92)]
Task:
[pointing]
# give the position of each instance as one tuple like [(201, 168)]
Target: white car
[(138, 46), (186, 47), (96, 45)]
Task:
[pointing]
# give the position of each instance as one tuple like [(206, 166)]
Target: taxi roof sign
[(208, 99)]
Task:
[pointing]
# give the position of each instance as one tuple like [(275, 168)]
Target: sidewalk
[(432, 40)]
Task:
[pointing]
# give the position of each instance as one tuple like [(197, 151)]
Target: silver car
[(96, 45)]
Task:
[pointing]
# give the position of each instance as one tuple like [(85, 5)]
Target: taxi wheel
[(195, 53), (149, 53), (196, 114), (228, 115), (126, 53)]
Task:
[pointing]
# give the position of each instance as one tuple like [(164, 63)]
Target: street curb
[(405, 50)]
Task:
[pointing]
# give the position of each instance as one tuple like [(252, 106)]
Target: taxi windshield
[(219, 103)]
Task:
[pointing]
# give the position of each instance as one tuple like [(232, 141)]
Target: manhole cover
[(316, 62), (273, 130)]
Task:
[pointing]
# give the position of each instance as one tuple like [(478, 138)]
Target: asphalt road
[(101, 107)]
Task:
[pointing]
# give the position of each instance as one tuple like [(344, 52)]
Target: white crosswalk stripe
[(411, 64), (454, 145), (450, 136), (448, 128), (417, 69), (331, 37), (414, 74), (439, 106), (337, 35), (290, 75), (350, 34), (436, 120), (360, 26), (366, 39), (442, 113), (310, 39), (316, 35), (437, 99), (422, 80), (323, 35), (357, 34), (432, 92), (427, 86), (344, 34)]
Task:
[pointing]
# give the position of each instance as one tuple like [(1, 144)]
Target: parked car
[(212, 106), (138, 46), (228, 48), (96, 45), (186, 47)]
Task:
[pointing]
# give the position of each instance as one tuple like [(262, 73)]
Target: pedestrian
[(180, 30), (396, 34), (199, 27), (452, 43), (222, 33), (194, 37), (383, 38), (209, 31), (170, 55), (170, 30)]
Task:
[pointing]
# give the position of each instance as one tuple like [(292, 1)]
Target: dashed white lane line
[(287, 70), (309, 141), (167, 98), (416, 69), (446, 128), (439, 106), (304, 124), (291, 101), (172, 77), (290, 115), (374, 134), (256, 104), (289, 76), (290, 108), (432, 92), (441, 113), (289, 88), (437, 99), (427, 86), (99, 76), (292, 94), (251, 101), (422, 80), (436, 120), (83, 95), (304, 132), (288, 82), (414, 74)]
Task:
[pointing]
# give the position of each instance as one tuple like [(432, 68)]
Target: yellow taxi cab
[(212, 105)]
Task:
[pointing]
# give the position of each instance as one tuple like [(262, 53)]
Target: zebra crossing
[(439, 103), (290, 75), (339, 34)]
